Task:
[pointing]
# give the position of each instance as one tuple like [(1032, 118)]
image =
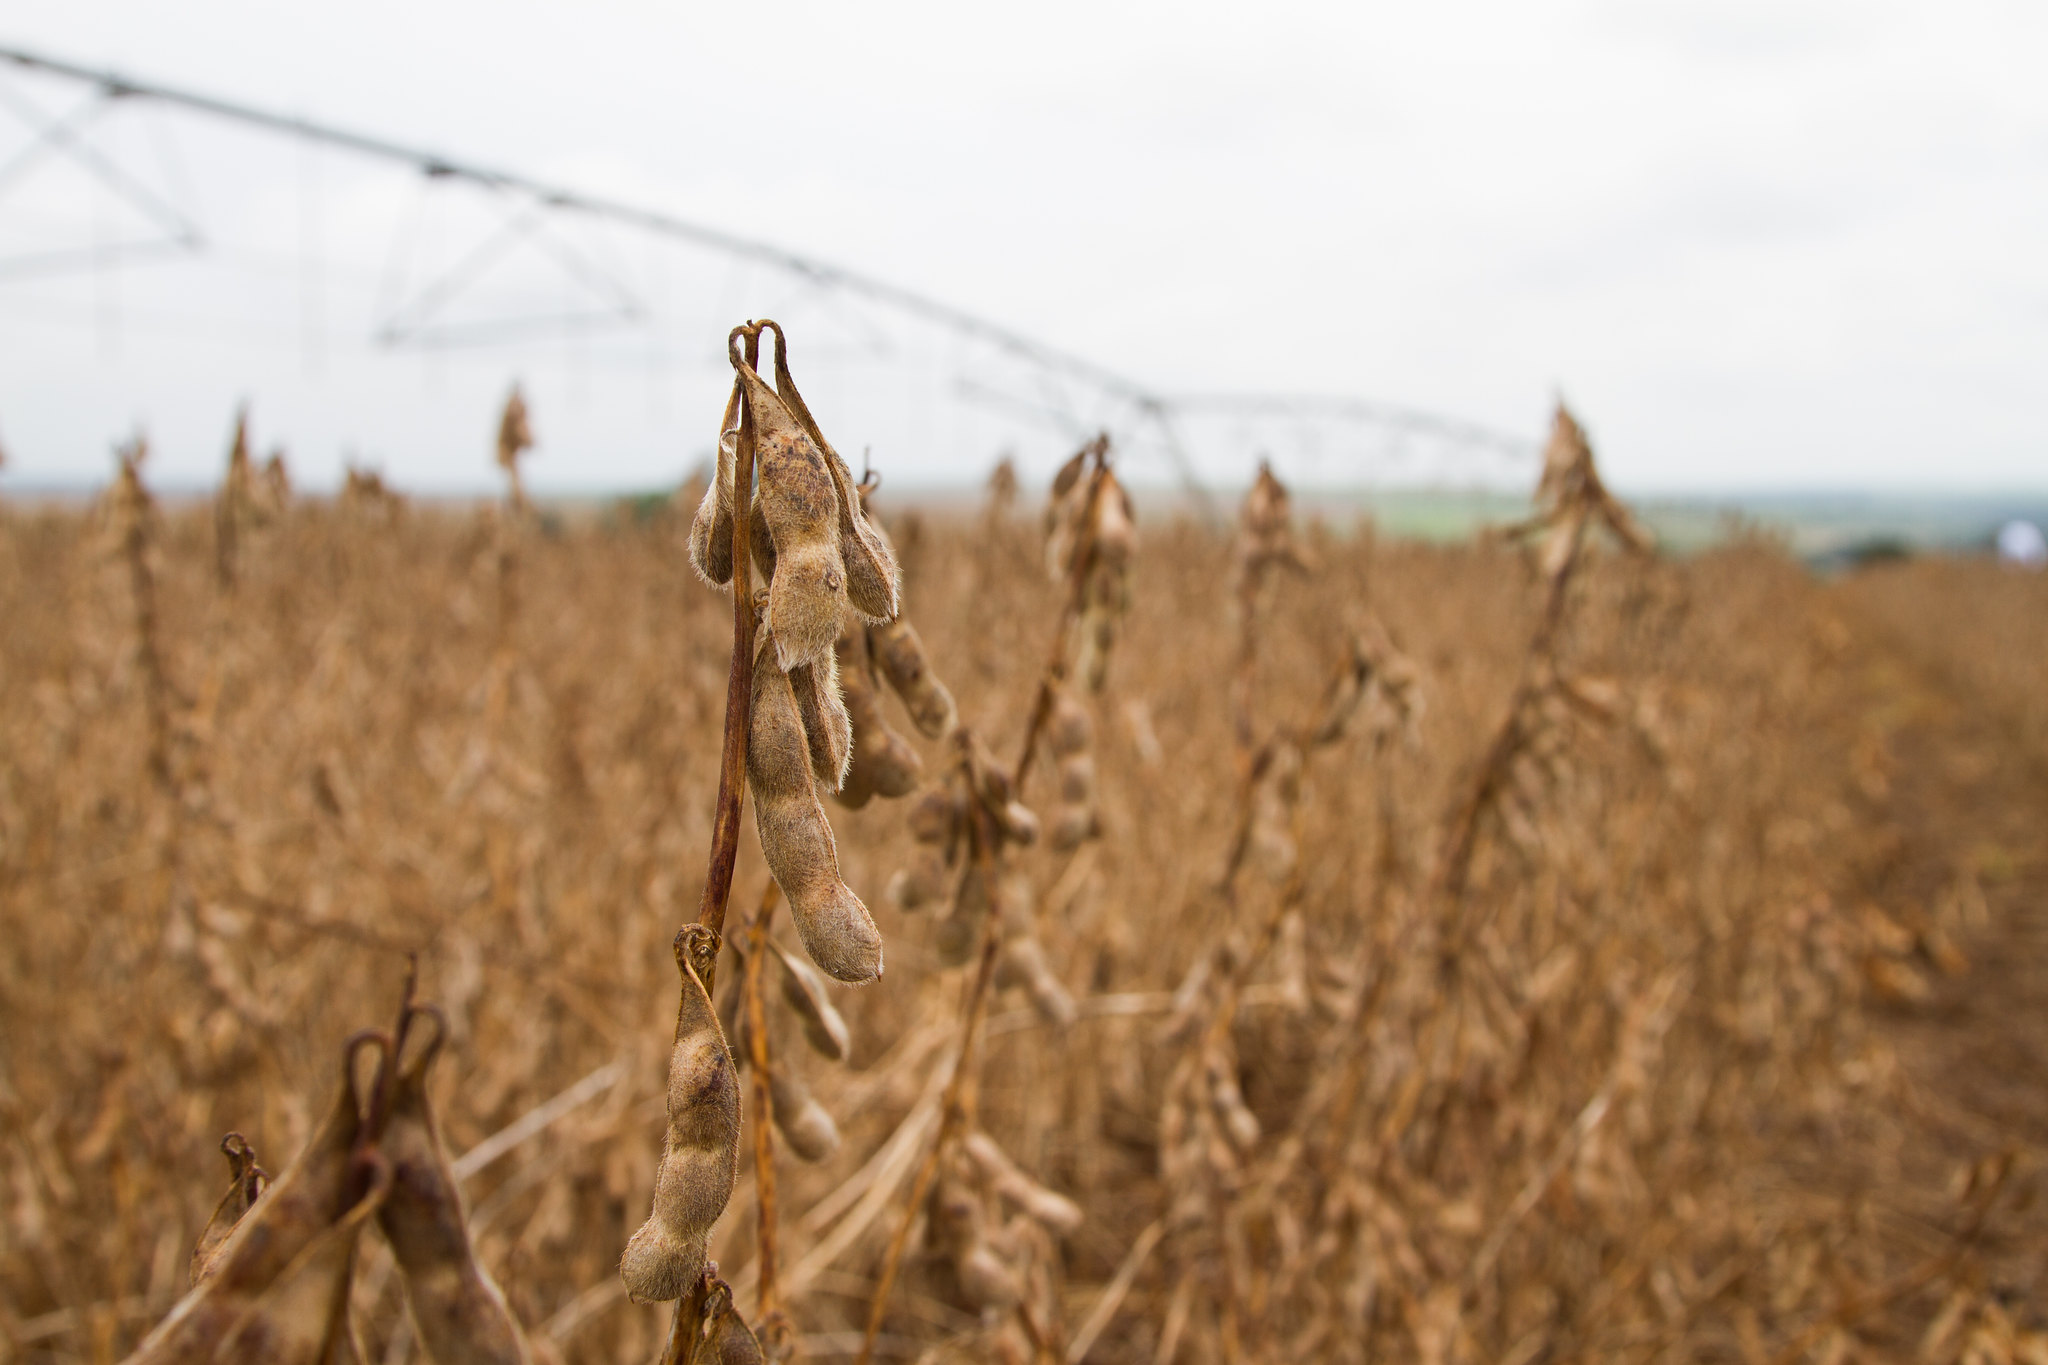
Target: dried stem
[(767, 1309), (739, 688)]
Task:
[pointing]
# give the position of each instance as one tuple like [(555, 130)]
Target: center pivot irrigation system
[(992, 367)]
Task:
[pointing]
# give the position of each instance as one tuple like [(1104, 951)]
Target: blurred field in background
[(1783, 916)]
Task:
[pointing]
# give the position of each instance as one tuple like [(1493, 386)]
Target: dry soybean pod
[(959, 1229), (700, 1152), (1054, 1210), (711, 528), (247, 1181), (804, 1123), (312, 1194), (828, 730), (458, 1312), (303, 1318), (883, 762), (708, 1330), (799, 507), (1024, 964), (873, 581), (804, 992), (912, 888), (901, 656), (796, 838)]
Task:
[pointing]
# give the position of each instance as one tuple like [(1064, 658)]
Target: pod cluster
[(883, 762), (966, 827), (272, 1271), (963, 824), (994, 1229), (812, 542), (822, 562), (1091, 531)]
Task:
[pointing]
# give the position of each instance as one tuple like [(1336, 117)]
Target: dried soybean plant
[(1208, 1135), (272, 1270), (804, 534), (1571, 501), (970, 823)]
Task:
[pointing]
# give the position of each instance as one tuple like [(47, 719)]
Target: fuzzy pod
[(315, 1192), (828, 731), (883, 762), (700, 1152), (900, 655), (873, 581), (246, 1182), (804, 1123), (800, 509), (1053, 1210), (920, 884), (1023, 963), (711, 528), (803, 990), (458, 1311), (796, 838)]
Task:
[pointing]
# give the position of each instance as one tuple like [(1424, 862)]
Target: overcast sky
[(1783, 244)]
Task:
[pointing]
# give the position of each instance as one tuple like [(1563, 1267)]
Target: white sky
[(1757, 245)]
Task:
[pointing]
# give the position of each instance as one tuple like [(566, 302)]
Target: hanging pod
[(805, 1124), (1054, 1210), (803, 990), (315, 1191), (828, 730), (873, 581), (799, 508), (957, 1224), (458, 1311), (700, 1152), (901, 656), (796, 839), (1024, 963), (883, 762), (711, 528)]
